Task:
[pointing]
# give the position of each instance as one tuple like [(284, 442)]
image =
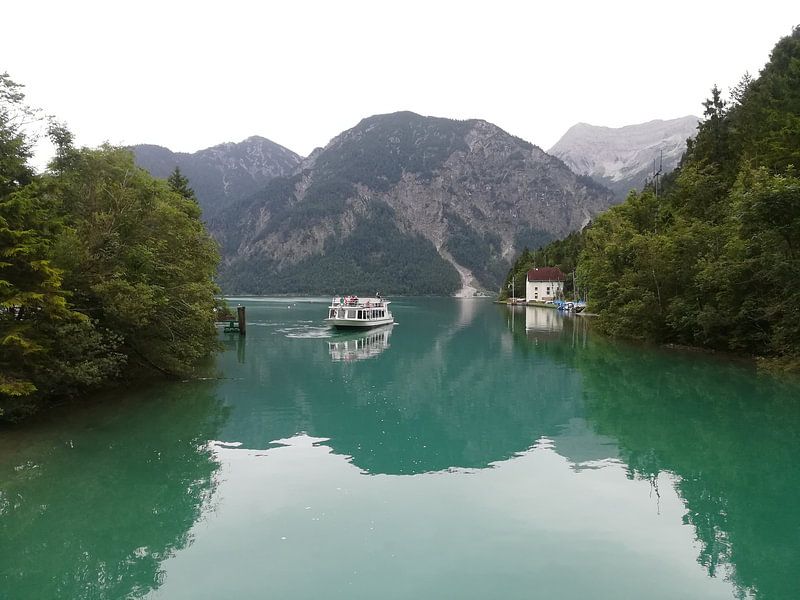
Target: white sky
[(188, 75)]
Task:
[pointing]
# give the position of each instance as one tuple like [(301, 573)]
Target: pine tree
[(180, 184), (30, 285)]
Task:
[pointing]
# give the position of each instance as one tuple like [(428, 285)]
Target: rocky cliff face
[(223, 174), (407, 204), (622, 158)]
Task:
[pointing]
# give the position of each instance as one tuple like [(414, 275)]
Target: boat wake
[(306, 332)]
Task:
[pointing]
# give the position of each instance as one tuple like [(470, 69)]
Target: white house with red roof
[(544, 283)]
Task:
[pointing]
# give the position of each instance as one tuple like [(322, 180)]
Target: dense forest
[(453, 193), (376, 251), (711, 256), (560, 253), (105, 272)]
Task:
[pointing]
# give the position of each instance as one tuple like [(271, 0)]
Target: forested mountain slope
[(714, 260), (405, 204)]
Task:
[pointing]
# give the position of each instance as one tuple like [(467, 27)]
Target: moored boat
[(352, 311)]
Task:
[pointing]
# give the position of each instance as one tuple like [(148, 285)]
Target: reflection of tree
[(90, 506), (729, 434)]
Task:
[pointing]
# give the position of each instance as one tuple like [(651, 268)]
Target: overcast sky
[(188, 75)]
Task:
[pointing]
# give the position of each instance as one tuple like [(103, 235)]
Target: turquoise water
[(469, 451)]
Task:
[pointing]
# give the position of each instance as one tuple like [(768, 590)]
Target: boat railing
[(355, 301)]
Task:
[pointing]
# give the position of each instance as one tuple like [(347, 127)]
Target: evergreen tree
[(714, 261), (14, 146), (180, 184), (30, 287)]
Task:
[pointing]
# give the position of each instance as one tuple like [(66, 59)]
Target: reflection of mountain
[(731, 437), (365, 344), (91, 506), (467, 390), (469, 394), (437, 404), (584, 448)]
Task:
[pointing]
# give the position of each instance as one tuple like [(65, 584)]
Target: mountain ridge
[(621, 158), (454, 199), (221, 174)]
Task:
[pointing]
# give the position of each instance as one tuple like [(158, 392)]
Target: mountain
[(223, 174), (403, 203), (622, 158)]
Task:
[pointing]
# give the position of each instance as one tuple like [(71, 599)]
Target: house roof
[(546, 274)]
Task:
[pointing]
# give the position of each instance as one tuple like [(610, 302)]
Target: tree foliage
[(180, 184), (376, 251), (713, 260), (104, 271)]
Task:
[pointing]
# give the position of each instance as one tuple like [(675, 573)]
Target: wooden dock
[(239, 325)]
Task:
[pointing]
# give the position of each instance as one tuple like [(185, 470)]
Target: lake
[(471, 450)]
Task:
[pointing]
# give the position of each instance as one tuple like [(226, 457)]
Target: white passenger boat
[(352, 311)]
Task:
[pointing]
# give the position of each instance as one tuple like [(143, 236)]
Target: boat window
[(333, 313)]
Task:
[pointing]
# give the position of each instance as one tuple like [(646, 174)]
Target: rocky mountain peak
[(621, 158), (412, 204), (222, 174)]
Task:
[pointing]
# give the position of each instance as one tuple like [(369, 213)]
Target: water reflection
[(233, 342), (453, 396), (508, 442), (360, 346), (729, 434), (543, 320), (92, 502)]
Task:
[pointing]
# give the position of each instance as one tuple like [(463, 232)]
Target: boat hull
[(358, 323)]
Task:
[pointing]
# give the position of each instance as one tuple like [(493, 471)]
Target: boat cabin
[(352, 311)]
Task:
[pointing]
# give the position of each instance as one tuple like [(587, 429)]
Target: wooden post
[(242, 322)]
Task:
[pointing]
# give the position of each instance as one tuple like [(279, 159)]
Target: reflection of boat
[(361, 347), (352, 311)]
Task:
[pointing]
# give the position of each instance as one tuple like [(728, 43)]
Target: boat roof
[(358, 300)]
